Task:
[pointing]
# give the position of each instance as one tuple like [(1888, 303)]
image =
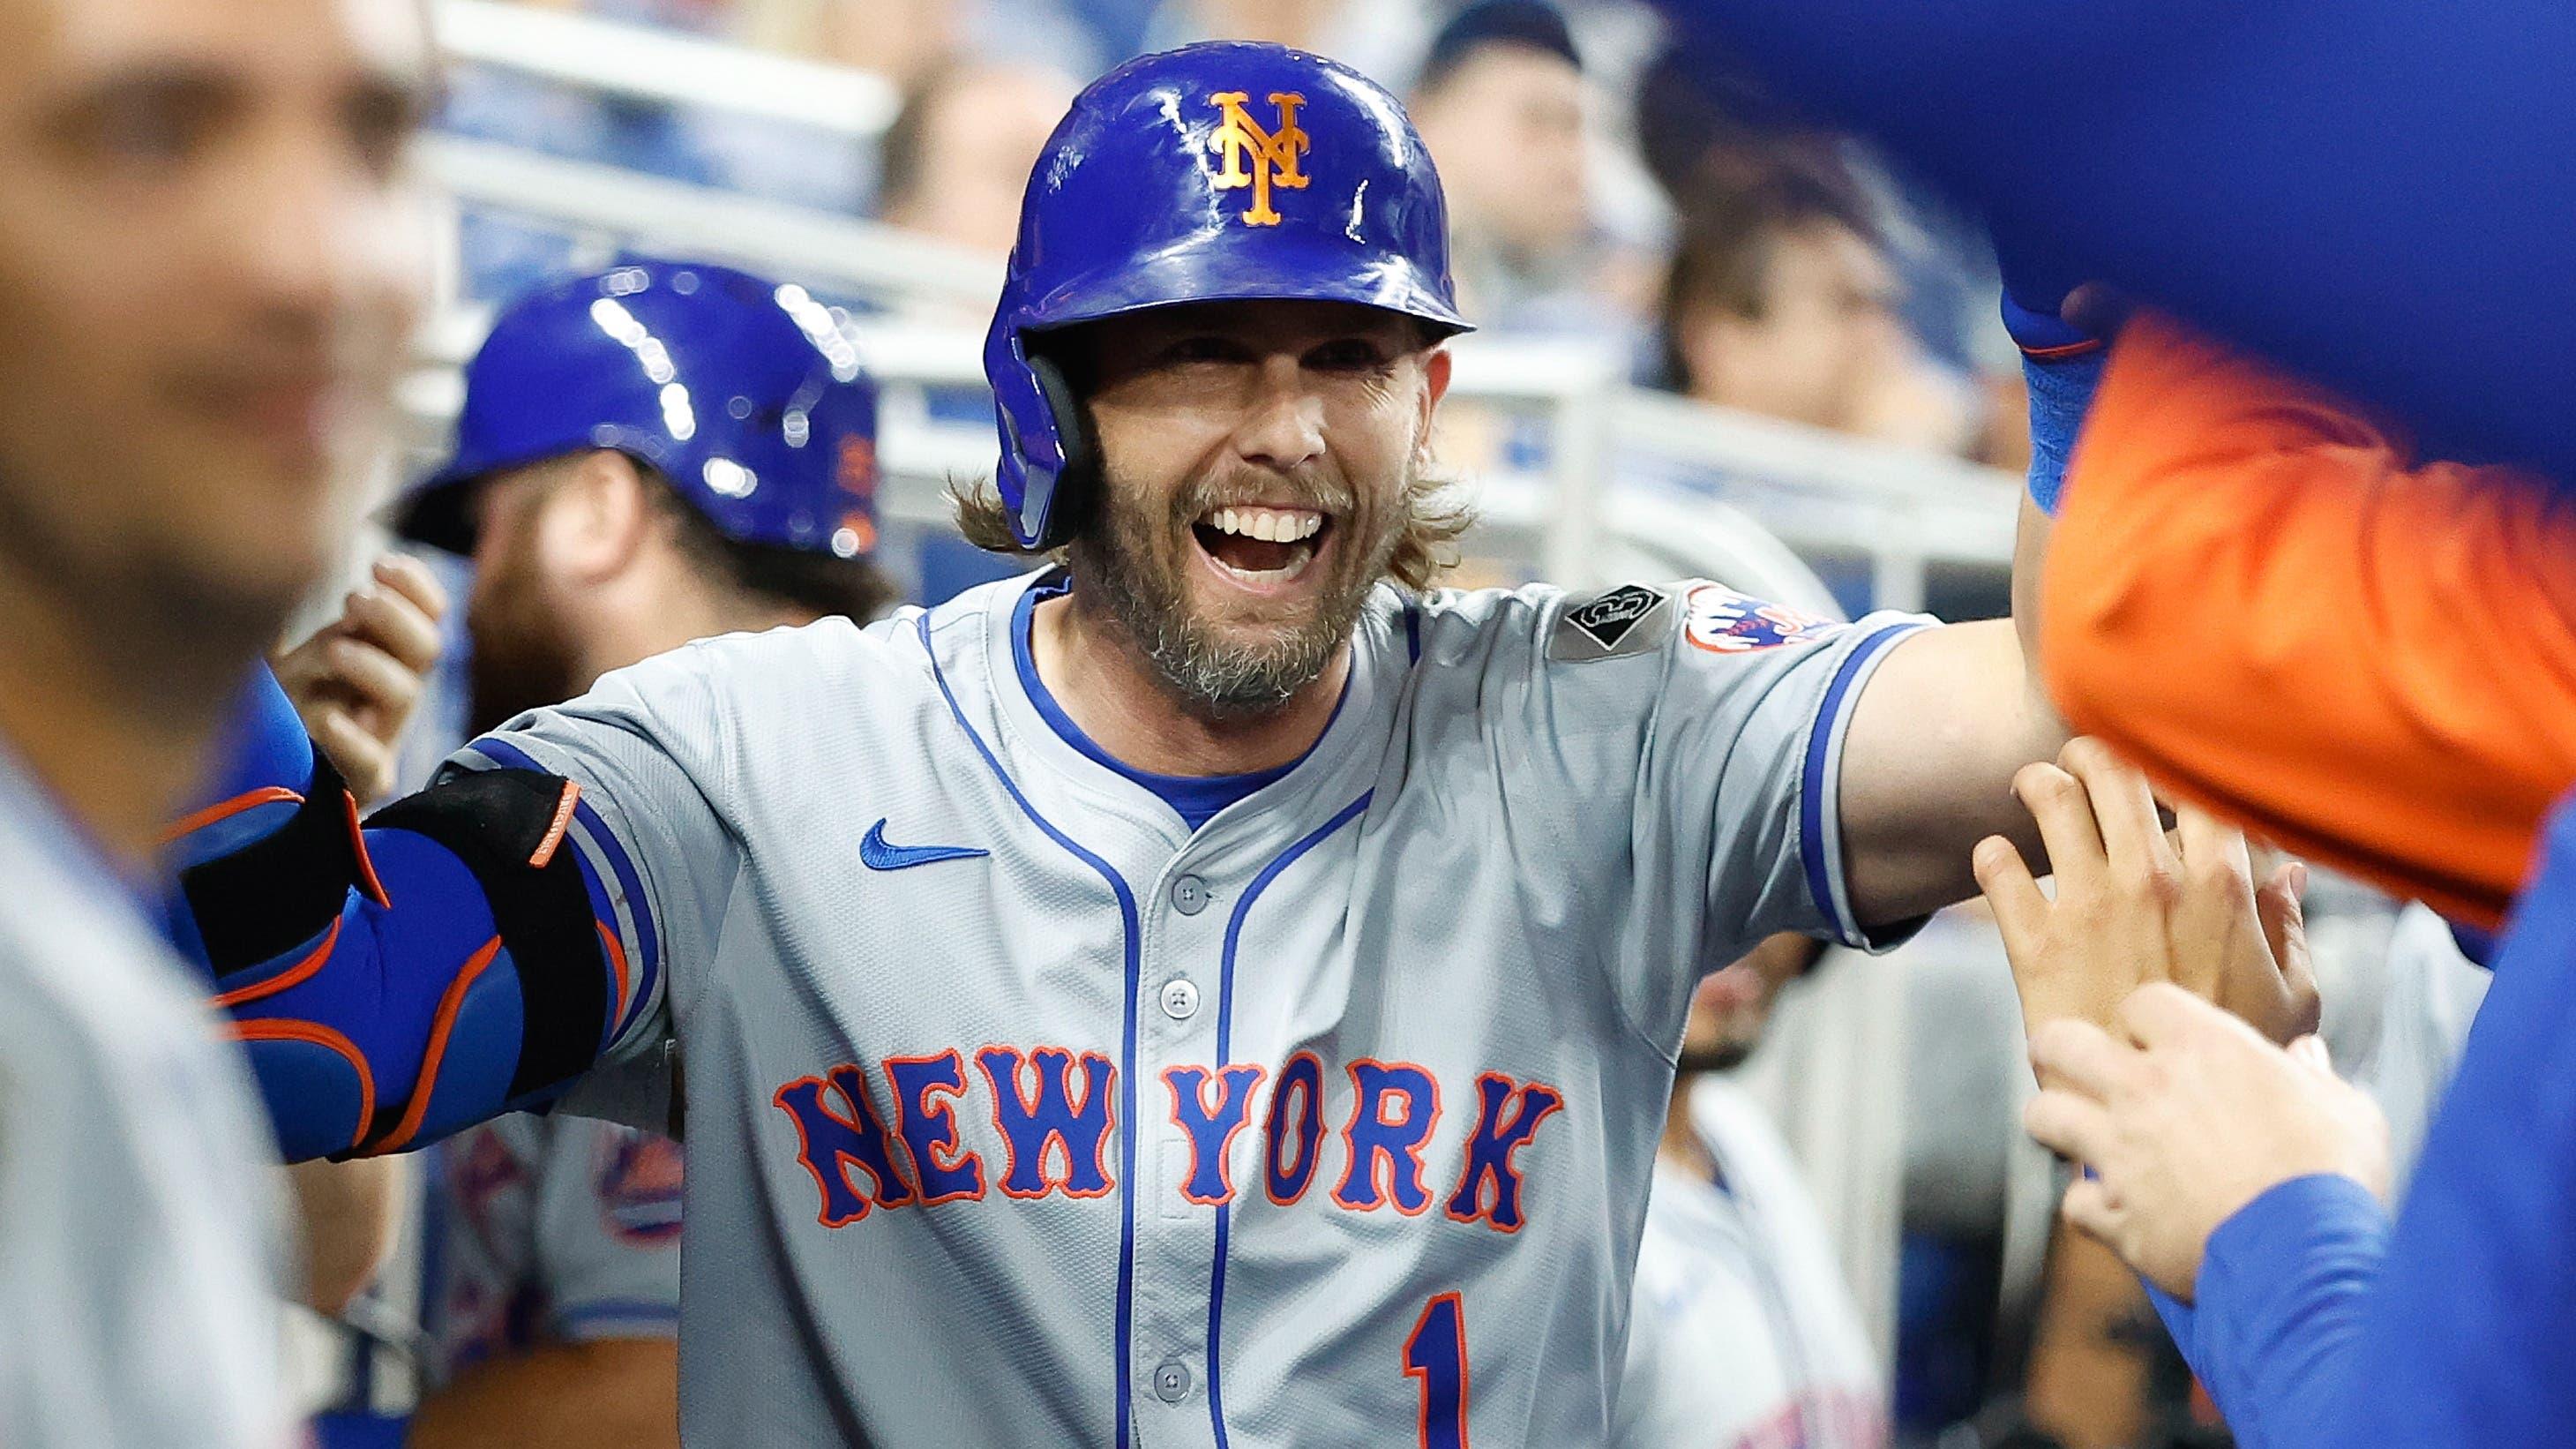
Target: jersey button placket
[(1174, 1236)]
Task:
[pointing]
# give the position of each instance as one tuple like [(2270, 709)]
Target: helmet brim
[(1217, 267), (439, 512)]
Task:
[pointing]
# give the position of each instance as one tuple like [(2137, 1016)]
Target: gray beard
[(1118, 572)]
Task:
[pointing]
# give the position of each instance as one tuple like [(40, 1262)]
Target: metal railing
[(1608, 475), (643, 63)]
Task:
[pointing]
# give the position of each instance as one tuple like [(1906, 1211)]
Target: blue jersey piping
[(1130, 933), (1811, 792), (1224, 1055)]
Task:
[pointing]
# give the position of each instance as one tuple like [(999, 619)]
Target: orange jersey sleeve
[(2256, 594)]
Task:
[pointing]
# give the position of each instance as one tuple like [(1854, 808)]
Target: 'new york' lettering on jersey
[(1326, 1121), (855, 1167)]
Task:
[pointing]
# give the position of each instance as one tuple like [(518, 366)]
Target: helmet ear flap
[(1077, 484)]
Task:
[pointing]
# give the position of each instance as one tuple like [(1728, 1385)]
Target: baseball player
[(558, 1296), (204, 295), (1744, 1334), (1211, 990)]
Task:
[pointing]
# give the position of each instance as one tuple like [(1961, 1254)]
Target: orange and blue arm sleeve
[(2256, 593), (461, 954)]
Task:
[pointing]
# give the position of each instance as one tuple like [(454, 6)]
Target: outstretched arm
[(472, 950), (1953, 713)]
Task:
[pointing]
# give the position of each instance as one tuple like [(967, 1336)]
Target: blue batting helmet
[(1218, 172), (741, 392)]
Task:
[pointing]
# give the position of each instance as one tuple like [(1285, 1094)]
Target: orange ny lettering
[(1272, 153)]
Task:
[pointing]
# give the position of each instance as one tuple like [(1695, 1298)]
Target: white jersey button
[(1189, 895), (1172, 1381), (1180, 998)]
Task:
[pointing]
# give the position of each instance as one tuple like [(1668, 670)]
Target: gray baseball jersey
[(139, 1248), (554, 1230), (1021, 1113), (1745, 1335)]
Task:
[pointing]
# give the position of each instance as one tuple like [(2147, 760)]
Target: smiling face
[(1262, 463)]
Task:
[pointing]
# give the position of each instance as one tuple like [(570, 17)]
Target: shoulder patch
[(1629, 619), (1722, 621)]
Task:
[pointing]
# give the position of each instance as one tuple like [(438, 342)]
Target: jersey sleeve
[(2254, 591), (1723, 718), (647, 745), (608, 1232)]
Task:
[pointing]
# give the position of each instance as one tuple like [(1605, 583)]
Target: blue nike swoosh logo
[(876, 854)]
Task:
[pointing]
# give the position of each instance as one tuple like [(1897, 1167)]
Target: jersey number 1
[(1436, 1355)]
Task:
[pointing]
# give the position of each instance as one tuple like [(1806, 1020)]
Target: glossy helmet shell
[(1220, 172), (740, 391)]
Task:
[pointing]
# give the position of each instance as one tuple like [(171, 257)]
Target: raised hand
[(358, 679), (2134, 906), (2181, 1116)]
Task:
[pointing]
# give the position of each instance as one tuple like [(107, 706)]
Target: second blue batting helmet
[(1218, 172), (742, 392)]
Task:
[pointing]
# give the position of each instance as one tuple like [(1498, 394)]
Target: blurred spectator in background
[(1381, 39), (905, 40), (1743, 1331), (958, 153), (1501, 105), (1708, 133), (1781, 301)]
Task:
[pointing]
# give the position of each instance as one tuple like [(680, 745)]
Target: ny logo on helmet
[(1273, 153)]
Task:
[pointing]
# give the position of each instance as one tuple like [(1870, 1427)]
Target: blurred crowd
[(1734, 251)]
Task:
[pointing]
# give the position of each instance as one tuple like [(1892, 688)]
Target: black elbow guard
[(507, 827), (283, 889)]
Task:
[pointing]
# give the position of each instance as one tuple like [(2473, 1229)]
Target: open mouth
[(1262, 546)]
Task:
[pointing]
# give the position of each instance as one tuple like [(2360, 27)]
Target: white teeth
[(1274, 525)]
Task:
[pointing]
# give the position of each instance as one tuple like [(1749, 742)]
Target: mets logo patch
[(638, 1185), (1256, 156), (1722, 621)]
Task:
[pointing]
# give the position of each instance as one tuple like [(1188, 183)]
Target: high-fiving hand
[(2156, 986), (2133, 906), (2183, 1115)]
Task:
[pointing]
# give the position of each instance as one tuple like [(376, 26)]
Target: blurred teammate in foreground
[(1022, 950), (206, 254), (598, 541)]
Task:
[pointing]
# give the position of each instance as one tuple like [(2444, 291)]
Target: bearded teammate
[(1211, 992), (204, 294), (600, 537)]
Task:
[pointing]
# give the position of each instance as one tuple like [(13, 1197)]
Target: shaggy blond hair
[(1435, 507)]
